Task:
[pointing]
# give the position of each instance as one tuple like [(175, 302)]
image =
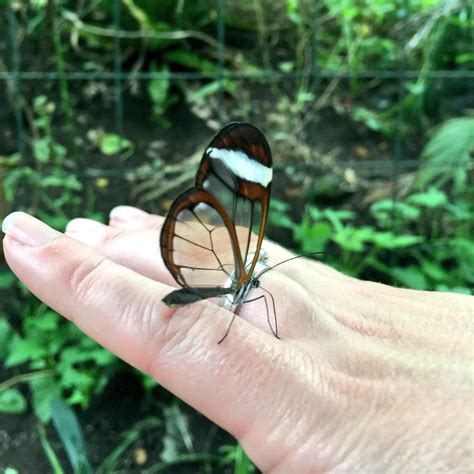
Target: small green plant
[(449, 155), (161, 98), (60, 360), (43, 184), (111, 144), (234, 454), (422, 242)]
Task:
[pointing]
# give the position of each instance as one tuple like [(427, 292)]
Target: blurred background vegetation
[(368, 107)]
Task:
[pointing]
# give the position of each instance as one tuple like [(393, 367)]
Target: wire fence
[(15, 76)]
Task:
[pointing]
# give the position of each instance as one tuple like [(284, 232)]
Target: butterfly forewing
[(199, 246), (239, 160), (207, 240)]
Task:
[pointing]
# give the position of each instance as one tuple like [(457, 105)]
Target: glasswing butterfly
[(212, 235)]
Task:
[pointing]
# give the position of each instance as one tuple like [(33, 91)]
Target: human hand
[(366, 377)]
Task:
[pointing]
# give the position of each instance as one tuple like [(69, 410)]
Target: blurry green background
[(368, 107)]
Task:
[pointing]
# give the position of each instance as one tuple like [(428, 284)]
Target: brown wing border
[(189, 200)]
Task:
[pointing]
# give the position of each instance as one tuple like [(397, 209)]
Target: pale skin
[(365, 378)]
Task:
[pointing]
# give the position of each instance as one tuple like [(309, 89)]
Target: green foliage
[(12, 401), (236, 455), (111, 144), (45, 182), (70, 433), (449, 154), (422, 242), (360, 36), (76, 366), (161, 99)]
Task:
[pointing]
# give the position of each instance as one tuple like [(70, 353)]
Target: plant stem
[(26, 378)]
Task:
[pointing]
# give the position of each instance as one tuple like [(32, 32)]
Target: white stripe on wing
[(242, 165)]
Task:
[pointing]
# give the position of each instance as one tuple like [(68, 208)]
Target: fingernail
[(82, 225), (28, 230), (126, 213)]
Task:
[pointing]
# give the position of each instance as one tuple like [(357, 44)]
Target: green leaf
[(462, 290), (411, 277), (432, 199), (159, 90), (434, 270), (6, 336), (242, 464), (111, 144), (177, 438), (206, 90), (278, 218), (41, 149), (11, 470), (448, 154), (336, 218), (191, 60), (61, 180), (12, 401), (388, 240), (69, 431), (57, 222), (24, 350), (7, 279), (47, 321), (44, 391), (387, 209), (352, 238)]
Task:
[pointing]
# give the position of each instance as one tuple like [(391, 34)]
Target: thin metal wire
[(15, 77), (221, 52), (360, 165), (263, 75), (399, 143), (118, 70), (120, 189)]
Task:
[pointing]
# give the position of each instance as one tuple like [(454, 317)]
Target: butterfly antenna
[(289, 260)]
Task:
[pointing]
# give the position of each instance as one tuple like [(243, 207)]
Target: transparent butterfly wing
[(207, 241)]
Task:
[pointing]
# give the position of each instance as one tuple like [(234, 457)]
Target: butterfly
[(212, 236)]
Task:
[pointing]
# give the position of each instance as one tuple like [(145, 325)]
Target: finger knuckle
[(84, 278), (178, 326), (181, 330), (112, 238)]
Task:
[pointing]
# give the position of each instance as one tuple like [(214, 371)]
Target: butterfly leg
[(230, 325), (274, 331)]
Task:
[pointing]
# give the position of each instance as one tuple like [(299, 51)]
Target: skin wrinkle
[(433, 337), (350, 446), (233, 366), (181, 334), (150, 322), (289, 407), (283, 465), (272, 411), (83, 278), (86, 283), (367, 455), (392, 360), (363, 325)]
